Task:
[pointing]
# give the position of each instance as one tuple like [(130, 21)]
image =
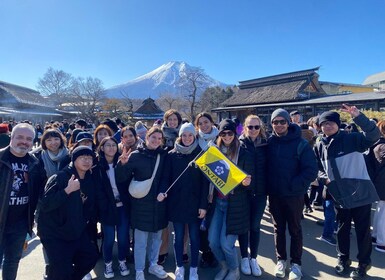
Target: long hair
[(232, 149), (170, 112), (153, 130), (262, 131), (102, 156), (203, 114)]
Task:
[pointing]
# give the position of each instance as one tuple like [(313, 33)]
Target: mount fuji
[(164, 79)]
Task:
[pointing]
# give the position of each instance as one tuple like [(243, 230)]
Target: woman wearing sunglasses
[(232, 212), (254, 138)]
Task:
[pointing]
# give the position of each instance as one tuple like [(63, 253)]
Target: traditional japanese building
[(148, 112)]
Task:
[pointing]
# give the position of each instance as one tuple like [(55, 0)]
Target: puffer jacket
[(36, 180)]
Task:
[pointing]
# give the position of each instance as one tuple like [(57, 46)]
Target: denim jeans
[(141, 246), (12, 249), (330, 218), (257, 207), (193, 229), (222, 244), (122, 231)]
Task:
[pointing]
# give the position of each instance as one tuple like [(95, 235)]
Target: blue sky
[(119, 40)]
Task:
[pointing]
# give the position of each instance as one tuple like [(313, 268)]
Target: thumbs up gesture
[(73, 185)]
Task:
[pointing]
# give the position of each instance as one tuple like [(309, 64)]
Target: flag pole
[(188, 165)]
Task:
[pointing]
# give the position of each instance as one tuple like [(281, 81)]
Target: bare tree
[(56, 84), (168, 101), (212, 97)]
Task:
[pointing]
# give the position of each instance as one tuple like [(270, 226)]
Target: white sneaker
[(124, 271), (193, 273), (245, 266), (280, 269), (179, 273), (108, 271), (295, 273), (158, 271), (255, 269), (87, 277), (139, 275)]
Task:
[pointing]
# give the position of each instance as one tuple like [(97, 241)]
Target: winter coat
[(65, 216), (189, 193), (147, 214), (290, 170), (376, 166), (36, 179), (259, 153), (340, 160)]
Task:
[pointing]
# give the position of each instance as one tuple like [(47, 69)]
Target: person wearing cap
[(148, 216), (83, 139), (69, 203), (343, 170), (295, 117), (232, 212), (21, 183), (187, 199), (291, 167)]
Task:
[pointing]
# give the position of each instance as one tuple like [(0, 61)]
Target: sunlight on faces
[(280, 129), (172, 121), (154, 140), (109, 148), (83, 163), (227, 137), (252, 133), (128, 138), (329, 128), (53, 144), (103, 133), (187, 138), (205, 125), (21, 141)]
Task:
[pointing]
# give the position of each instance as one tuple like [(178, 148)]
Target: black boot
[(360, 271), (343, 267)]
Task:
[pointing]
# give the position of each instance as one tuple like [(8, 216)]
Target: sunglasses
[(229, 133), (281, 122), (256, 127)]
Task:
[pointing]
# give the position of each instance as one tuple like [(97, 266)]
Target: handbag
[(139, 189)]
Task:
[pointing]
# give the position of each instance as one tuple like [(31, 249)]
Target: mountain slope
[(165, 78)]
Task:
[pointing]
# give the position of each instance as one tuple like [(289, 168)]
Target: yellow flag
[(221, 171)]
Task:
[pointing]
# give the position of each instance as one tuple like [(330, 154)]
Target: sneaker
[(179, 273), (343, 267), (162, 258), (158, 271), (139, 275), (329, 240), (255, 269), (108, 271), (124, 271), (295, 272), (374, 241), (87, 277), (233, 275), (193, 273), (280, 269), (360, 271), (245, 266), (380, 248), (185, 258)]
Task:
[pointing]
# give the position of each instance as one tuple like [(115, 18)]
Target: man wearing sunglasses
[(290, 170)]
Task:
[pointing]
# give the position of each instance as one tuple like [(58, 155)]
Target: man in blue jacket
[(342, 167), (291, 166)]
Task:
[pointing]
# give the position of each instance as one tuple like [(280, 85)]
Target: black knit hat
[(83, 136), (81, 151), (330, 116), (227, 124)]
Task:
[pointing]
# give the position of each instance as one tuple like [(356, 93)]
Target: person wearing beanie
[(289, 175), (187, 199), (141, 130), (70, 202), (349, 184)]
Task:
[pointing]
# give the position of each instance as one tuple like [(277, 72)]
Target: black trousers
[(287, 211), (70, 260), (361, 218)]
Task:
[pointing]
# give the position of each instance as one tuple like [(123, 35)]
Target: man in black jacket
[(22, 179), (291, 166)]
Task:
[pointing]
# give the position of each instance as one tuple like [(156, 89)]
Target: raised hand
[(123, 159), (73, 185), (352, 110)]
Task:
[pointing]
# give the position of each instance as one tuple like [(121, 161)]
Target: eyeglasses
[(281, 122), (229, 133), (86, 158), (256, 127), (110, 146)]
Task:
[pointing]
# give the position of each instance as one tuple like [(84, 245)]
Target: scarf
[(170, 134), (51, 161), (205, 138), (183, 149)]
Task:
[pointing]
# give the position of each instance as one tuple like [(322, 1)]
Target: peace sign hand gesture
[(123, 159), (352, 110)]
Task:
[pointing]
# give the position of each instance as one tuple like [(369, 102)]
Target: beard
[(20, 149)]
